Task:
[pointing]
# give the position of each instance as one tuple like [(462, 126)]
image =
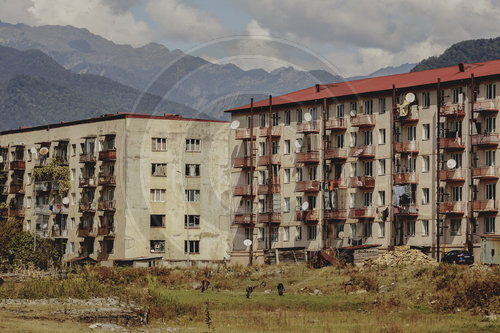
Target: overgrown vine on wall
[(55, 173)]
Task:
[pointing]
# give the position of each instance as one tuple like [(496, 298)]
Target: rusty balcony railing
[(307, 216), (243, 162), (264, 217), (107, 180), (243, 190), (485, 140), (452, 110), (308, 157), (245, 133), (363, 120), (264, 189), (407, 210), (308, 127), (86, 207), (87, 182), (406, 147), (485, 172), (405, 178), (244, 218), (363, 151), (335, 214), (363, 182), (275, 132), (87, 158), (455, 175), (18, 165), (363, 213), (453, 207), (107, 205), (336, 154), (484, 206), (452, 143), (16, 188), (275, 159), (485, 106), (307, 186), (105, 231), (336, 124), (107, 155)]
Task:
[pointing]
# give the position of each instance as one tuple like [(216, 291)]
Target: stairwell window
[(489, 225), (193, 145), (490, 191), (311, 232), (286, 209), (426, 134), (425, 228), (425, 196), (456, 225), (298, 233), (426, 96), (157, 221), (410, 228), (194, 246), (158, 195), (381, 167), (381, 103), (159, 144), (286, 234), (491, 91), (381, 136), (286, 150), (192, 170), (192, 195)]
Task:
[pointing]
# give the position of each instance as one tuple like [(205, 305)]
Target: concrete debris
[(358, 292), (401, 256), (317, 292), (386, 288), (491, 317), (107, 327), (196, 286), (267, 291)]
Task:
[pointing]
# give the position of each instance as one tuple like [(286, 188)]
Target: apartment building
[(144, 189), (373, 161)]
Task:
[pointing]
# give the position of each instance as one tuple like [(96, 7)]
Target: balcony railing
[(86, 207), (336, 124), (42, 186), (484, 206), (307, 216), (59, 233), (243, 162), (83, 231), (41, 162), (275, 131), (485, 172), (457, 208), (4, 189), (408, 211), (406, 147), (455, 175), (18, 165), (244, 133), (452, 110), (107, 205), (264, 217), (107, 180), (335, 214), (42, 209), (17, 212), (308, 157), (363, 152), (87, 158), (275, 159), (16, 189), (485, 106), (405, 178), (451, 143), (308, 127), (363, 120), (363, 213), (60, 209), (336, 154), (62, 160), (485, 140), (244, 218), (307, 186), (338, 182), (412, 116), (87, 182), (264, 189), (107, 155), (243, 190), (362, 182), (105, 231)]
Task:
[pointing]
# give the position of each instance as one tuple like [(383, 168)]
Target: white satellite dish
[(33, 150), (410, 97), (451, 163), (247, 242), (65, 200), (298, 143), (235, 124), (353, 113), (341, 234), (305, 205), (44, 151), (307, 116), (1, 159)]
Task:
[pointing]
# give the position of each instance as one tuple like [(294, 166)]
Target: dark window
[(193, 221), (194, 246), (157, 221)]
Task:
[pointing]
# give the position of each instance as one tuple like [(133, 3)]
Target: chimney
[(317, 88), (461, 67)]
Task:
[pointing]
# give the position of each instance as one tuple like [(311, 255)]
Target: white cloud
[(177, 21)]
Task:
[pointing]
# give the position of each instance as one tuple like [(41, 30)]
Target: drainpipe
[(393, 129), (468, 237), (324, 178), (438, 114), (270, 170), (251, 182)]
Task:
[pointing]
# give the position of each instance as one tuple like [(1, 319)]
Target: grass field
[(420, 299)]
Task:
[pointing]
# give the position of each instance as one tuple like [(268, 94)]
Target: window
[(72, 247), (381, 167), (299, 116), (287, 147), (193, 145), (490, 124), (381, 198), (427, 99), (410, 228), (490, 158), (381, 136), (426, 134), (354, 108), (73, 223), (298, 174), (157, 195), (192, 170), (262, 206), (381, 229), (352, 200), (425, 228), (368, 138), (340, 110), (489, 224), (311, 232), (261, 234), (193, 195), (156, 221), (287, 205), (159, 144), (29, 179), (262, 177), (340, 141), (191, 221), (248, 233), (73, 174), (490, 191), (262, 149), (287, 176), (367, 229), (490, 91), (73, 198), (425, 196), (29, 202), (274, 234), (458, 159), (456, 95), (369, 107), (368, 197), (157, 246), (368, 168), (263, 120), (159, 169), (412, 133), (381, 102), (298, 233), (287, 117), (286, 234), (298, 203), (457, 193), (275, 147), (354, 139), (276, 119), (354, 231), (194, 246), (426, 164), (455, 227), (73, 149)]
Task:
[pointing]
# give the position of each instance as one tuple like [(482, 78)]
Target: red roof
[(383, 83)]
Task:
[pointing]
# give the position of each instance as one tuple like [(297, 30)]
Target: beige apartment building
[(373, 161), (144, 189)]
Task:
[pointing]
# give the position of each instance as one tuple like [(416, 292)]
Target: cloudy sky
[(354, 37)]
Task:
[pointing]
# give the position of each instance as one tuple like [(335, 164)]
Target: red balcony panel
[(244, 218), (242, 190), (18, 165), (107, 205), (275, 159), (87, 182), (107, 180), (485, 172), (364, 120), (244, 133), (105, 231), (16, 189), (107, 155), (407, 211), (452, 208), (336, 154), (335, 214), (307, 186), (363, 213), (311, 216), (264, 218), (244, 162), (84, 232), (485, 106), (264, 189), (275, 132), (308, 157), (362, 182), (336, 124), (406, 147), (484, 206), (453, 110), (87, 158), (455, 175), (485, 140), (363, 152), (452, 143), (405, 178), (308, 127)]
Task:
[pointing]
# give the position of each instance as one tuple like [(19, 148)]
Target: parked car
[(458, 257)]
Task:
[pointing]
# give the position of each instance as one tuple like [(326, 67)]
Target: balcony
[(362, 182), (452, 110), (107, 180), (42, 209), (364, 120), (485, 172), (275, 159), (363, 213), (107, 205), (451, 143), (42, 186), (4, 166), (339, 182), (408, 211), (308, 157), (275, 131), (16, 189), (402, 178), (411, 117), (363, 152), (308, 127), (455, 175), (41, 162), (83, 231), (244, 162), (244, 134), (243, 190), (487, 106), (406, 147), (105, 231), (87, 182), (62, 160), (264, 218), (452, 208), (484, 206), (17, 165), (60, 209), (16, 212), (87, 158), (107, 155), (307, 186), (56, 232), (86, 207), (485, 140), (336, 154), (244, 218), (264, 189), (309, 216), (335, 214), (336, 124)]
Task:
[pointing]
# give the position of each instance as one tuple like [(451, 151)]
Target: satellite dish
[(1, 159), (305, 205), (247, 242), (298, 143), (65, 200), (353, 113), (410, 97), (307, 116), (341, 234), (44, 151), (235, 124), (33, 150), (451, 163)]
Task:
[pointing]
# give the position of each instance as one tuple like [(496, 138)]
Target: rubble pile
[(402, 255)]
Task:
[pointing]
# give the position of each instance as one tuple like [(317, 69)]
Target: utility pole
[(270, 171), (438, 130), (251, 182), (393, 158), (469, 229), (324, 178)]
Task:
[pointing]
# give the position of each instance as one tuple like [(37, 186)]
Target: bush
[(44, 256)]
